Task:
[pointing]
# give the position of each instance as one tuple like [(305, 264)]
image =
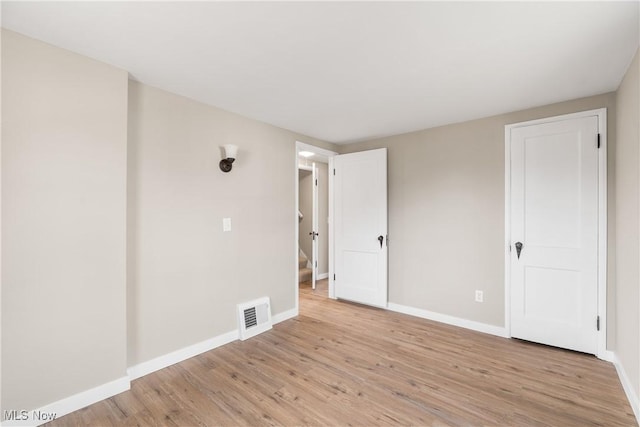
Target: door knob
[(518, 248), (380, 239)]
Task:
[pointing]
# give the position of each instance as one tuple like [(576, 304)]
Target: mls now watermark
[(24, 415)]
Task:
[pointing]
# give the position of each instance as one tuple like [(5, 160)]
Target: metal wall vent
[(250, 317), (254, 317)]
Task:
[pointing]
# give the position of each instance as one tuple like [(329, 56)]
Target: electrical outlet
[(479, 296)]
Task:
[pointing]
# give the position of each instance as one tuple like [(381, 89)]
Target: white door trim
[(332, 283), (601, 114), (314, 225)]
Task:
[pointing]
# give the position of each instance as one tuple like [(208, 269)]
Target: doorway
[(555, 228), (313, 228)]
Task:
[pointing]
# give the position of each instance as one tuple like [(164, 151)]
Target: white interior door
[(360, 216), (314, 226), (554, 233)]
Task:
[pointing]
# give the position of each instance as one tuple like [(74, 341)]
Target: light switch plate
[(479, 296), (226, 224)]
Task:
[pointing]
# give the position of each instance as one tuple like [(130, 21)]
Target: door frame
[(314, 225), (601, 114), (302, 146)]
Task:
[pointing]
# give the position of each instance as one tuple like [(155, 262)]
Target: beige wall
[(185, 275), (446, 211), (627, 196), (63, 223), (305, 204)]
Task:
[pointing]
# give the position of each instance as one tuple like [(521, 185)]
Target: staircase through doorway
[(304, 272)]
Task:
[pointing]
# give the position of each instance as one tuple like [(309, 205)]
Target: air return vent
[(254, 317)]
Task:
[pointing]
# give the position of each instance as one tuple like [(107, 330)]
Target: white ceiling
[(348, 71)]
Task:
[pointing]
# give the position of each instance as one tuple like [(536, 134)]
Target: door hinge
[(598, 323), (334, 171), (316, 182), (316, 264), (334, 277), (598, 140)]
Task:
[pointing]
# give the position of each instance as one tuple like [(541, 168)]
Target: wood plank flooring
[(340, 364)]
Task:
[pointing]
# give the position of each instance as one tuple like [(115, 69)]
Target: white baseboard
[(607, 356), (160, 362), (185, 353), (285, 315), (70, 404), (628, 389), (449, 320), (78, 401), (322, 276)]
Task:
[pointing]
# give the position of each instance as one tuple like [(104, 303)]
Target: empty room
[(320, 213)]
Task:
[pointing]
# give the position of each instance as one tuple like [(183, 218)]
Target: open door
[(360, 215)]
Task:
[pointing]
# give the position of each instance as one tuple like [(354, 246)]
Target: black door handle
[(313, 235), (380, 239), (518, 248)]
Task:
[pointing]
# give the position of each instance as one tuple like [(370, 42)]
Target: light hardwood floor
[(341, 364)]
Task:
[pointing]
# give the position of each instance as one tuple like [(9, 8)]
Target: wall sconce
[(230, 152)]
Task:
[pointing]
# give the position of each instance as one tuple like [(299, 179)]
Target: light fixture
[(230, 152), (306, 154)]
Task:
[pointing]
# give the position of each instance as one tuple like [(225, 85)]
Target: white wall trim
[(188, 352), (628, 388), (332, 284), (602, 232), (72, 403), (296, 179), (105, 391), (160, 362), (302, 146), (601, 113), (608, 356), (285, 315), (449, 320)]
